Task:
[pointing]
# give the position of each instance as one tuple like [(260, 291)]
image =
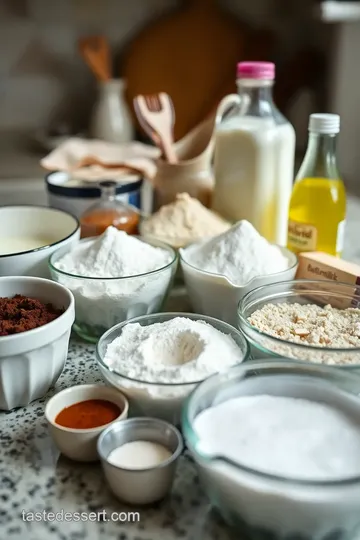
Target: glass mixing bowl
[(338, 295), (100, 303), (159, 400), (263, 506)]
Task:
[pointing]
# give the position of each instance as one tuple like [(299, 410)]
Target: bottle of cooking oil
[(318, 203)]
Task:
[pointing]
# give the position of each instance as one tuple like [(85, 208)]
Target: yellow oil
[(318, 206)]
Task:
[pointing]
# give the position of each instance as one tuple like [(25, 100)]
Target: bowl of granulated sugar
[(218, 272)]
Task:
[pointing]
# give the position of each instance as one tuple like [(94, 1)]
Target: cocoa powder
[(21, 313)]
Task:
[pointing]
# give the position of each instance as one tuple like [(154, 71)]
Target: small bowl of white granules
[(219, 271), (114, 277), (277, 446), (311, 321), (157, 360)]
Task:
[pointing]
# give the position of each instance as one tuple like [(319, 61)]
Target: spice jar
[(109, 211)]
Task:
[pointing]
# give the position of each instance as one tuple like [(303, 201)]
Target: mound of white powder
[(240, 254), (183, 221), (113, 254), (101, 303), (177, 351)]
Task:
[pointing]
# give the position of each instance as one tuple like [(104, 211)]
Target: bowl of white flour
[(219, 271), (114, 277), (277, 445), (157, 360)]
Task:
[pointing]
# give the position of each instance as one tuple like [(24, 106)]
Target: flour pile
[(101, 303), (177, 351), (113, 254), (183, 221), (240, 254)]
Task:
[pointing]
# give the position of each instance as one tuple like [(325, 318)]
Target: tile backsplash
[(40, 68)]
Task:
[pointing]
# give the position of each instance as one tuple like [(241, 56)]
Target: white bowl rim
[(161, 245), (38, 206), (221, 277), (51, 324), (95, 387)]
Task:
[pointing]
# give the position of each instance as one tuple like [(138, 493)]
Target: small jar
[(108, 211)]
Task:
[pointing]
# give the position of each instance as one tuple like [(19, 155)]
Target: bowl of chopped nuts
[(304, 320)]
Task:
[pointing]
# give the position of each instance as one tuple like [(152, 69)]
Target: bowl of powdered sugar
[(114, 277), (219, 271), (277, 447), (157, 360)]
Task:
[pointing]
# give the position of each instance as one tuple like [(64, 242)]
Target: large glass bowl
[(158, 400), (338, 295), (100, 303), (263, 506)]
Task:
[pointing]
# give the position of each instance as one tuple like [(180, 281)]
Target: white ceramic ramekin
[(32, 361), (80, 444)]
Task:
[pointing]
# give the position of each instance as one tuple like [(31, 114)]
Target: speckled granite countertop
[(35, 478)]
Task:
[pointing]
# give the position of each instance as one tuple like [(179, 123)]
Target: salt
[(240, 254), (289, 437), (139, 455)]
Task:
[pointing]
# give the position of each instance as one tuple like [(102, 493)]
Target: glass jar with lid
[(108, 211)]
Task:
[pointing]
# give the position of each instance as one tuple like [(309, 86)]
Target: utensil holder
[(193, 173)]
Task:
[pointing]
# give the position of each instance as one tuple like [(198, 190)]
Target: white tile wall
[(30, 89)]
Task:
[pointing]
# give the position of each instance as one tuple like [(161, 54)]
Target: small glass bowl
[(265, 506), (100, 303), (158, 400), (320, 292)]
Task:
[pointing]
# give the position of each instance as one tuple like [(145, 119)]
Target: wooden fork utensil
[(157, 117)]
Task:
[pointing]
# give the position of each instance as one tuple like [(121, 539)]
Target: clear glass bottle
[(254, 155), (108, 211), (317, 208)]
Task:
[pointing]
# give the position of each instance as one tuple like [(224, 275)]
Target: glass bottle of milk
[(254, 155)]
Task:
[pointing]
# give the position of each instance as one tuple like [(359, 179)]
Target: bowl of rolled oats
[(304, 320)]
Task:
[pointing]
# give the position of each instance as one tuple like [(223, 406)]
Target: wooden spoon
[(96, 53)]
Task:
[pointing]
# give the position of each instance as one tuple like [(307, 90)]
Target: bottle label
[(301, 237), (340, 237)]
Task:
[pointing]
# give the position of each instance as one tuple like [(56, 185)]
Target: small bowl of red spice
[(77, 415)]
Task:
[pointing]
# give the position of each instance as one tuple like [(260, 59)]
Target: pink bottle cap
[(256, 70)]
